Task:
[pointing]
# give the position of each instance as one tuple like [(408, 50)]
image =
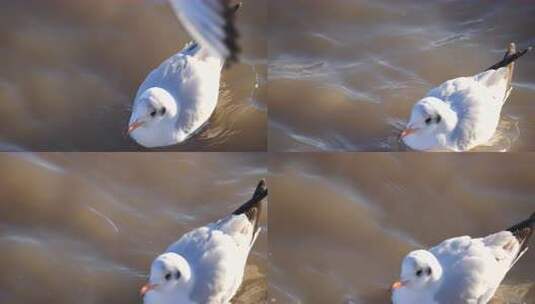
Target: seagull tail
[(253, 207), (523, 232), (509, 60), (231, 33)]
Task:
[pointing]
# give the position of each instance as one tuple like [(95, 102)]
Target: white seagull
[(206, 265), (461, 270), (179, 96), (464, 112)]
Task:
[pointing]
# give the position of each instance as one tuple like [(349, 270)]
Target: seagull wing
[(211, 24), (495, 81), (477, 107), (474, 268), (218, 252), (217, 261)]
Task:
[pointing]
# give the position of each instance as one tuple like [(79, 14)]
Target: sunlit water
[(343, 75), (70, 71), (340, 224), (84, 228)]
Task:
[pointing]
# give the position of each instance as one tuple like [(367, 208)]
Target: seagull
[(464, 112), (461, 270), (206, 265), (178, 97)]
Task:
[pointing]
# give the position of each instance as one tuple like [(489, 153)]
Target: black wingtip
[(236, 7), (529, 223), (523, 231), (511, 56), (253, 208), (231, 33), (254, 203), (261, 190)]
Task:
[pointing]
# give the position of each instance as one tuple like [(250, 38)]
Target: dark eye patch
[(419, 272), (439, 118), (153, 113), (163, 110), (177, 275), (428, 271), (428, 121), (168, 276)]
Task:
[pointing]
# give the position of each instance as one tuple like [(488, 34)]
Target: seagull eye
[(153, 113), (428, 271), (168, 276), (428, 121), (419, 273), (162, 111), (177, 275), (439, 118)]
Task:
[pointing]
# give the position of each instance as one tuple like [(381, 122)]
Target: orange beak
[(397, 285), (408, 131), (136, 124), (146, 288)]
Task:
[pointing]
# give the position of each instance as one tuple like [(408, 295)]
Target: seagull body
[(178, 97), (187, 87), (464, 112), (461, 270), (206, 265)]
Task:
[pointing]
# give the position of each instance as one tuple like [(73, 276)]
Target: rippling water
[(84, 228), (340, 224), (344, 74), (70, 71)]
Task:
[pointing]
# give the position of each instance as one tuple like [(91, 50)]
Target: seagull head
[(431, 123), (419, 269), (170, 278), (153, 119)]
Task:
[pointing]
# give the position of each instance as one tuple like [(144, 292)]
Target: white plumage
[(462, 113), (461, 270), (178, 97), (210, 23), (206, 265)]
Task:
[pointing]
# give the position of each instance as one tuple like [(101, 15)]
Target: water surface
[(84, 228), (70, 71), (340, 224), (344, 74)]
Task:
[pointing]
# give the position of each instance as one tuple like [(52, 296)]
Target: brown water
[(340, 224), (70, 70), (84, 228), (344, 74)]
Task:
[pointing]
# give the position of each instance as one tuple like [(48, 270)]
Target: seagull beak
[(397, 285), (136, 124), (408, 131), (146, 288)]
